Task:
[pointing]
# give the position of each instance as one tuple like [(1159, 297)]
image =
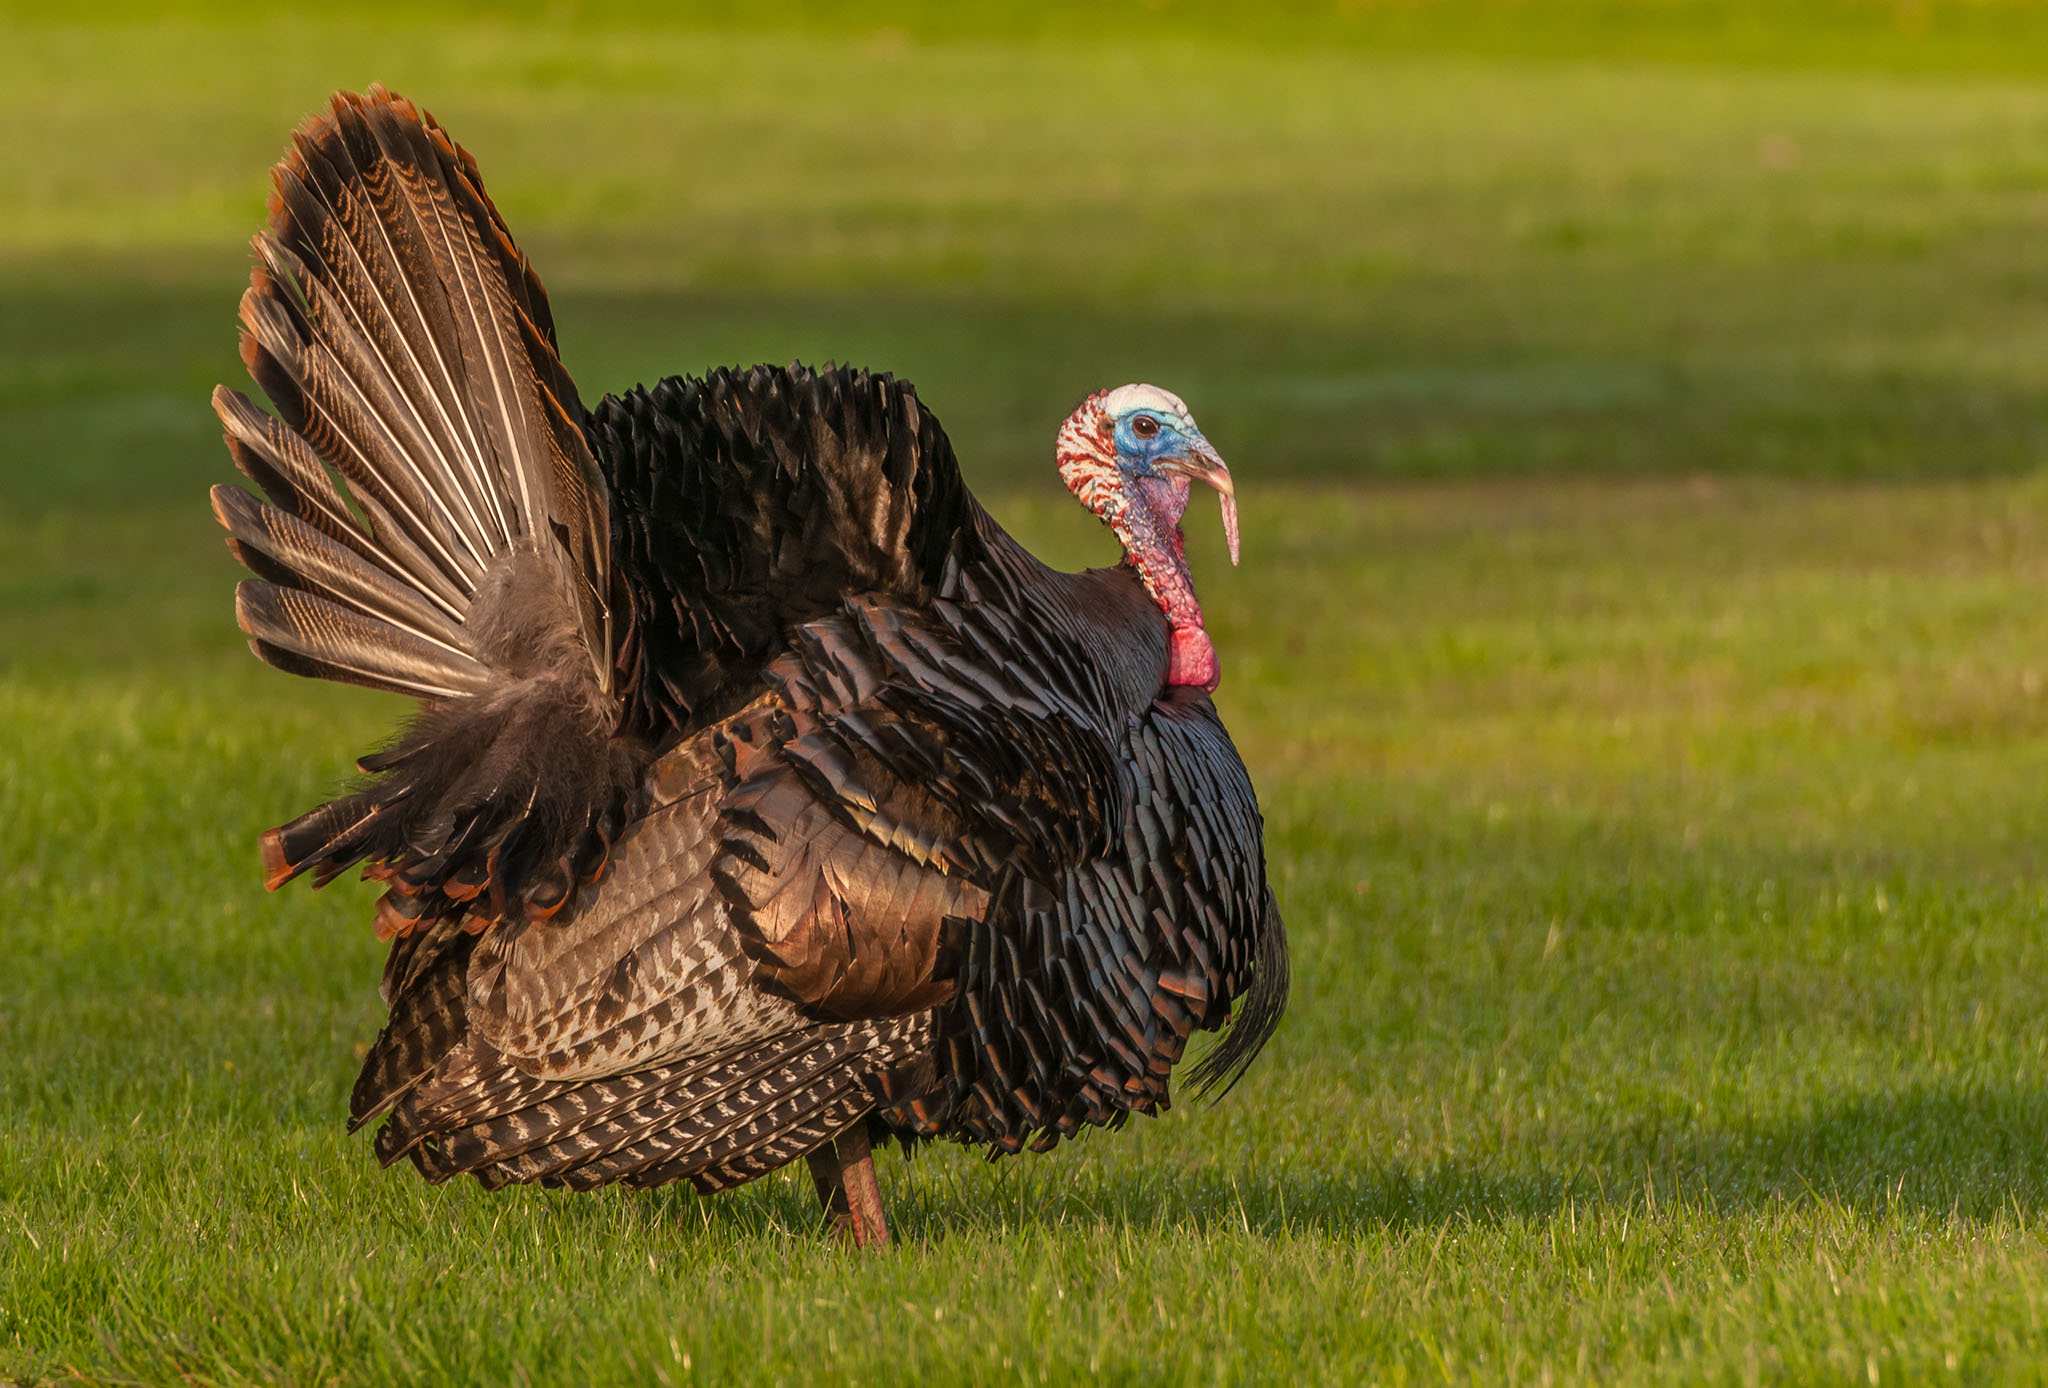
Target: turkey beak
[(1202, 463)]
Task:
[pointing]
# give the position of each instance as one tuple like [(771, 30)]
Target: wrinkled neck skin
[(1145, 516), (1155, 547)]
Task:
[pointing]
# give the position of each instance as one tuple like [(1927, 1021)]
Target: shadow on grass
[(1970, 1153), (106, 368)]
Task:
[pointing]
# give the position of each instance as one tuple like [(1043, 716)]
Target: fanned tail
[(435, 523)]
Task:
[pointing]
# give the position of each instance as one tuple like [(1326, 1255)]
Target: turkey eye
[(1145, 426)]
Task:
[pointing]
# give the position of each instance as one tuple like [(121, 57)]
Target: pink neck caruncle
[(1144, 514)]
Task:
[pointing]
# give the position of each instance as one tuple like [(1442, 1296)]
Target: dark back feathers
[(751, 502)]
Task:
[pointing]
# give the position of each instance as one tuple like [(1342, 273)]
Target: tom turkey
[(764, 795)]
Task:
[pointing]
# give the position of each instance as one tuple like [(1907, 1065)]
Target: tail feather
[(318, 834), (297, 482), (338, 642), (404, 340), (276, 545), (301, 374), (435, 523), (381, 315)]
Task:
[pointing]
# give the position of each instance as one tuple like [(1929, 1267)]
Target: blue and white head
[(1138, 444), (1130, 456)]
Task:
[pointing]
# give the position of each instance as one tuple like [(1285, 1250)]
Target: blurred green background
[(1641, 652), (1364, 257)]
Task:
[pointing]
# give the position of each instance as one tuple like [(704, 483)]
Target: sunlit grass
[(1663, 869)]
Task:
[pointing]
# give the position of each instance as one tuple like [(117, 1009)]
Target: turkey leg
[(844, 1171)]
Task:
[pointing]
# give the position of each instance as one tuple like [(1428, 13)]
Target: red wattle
[(1191, 659)]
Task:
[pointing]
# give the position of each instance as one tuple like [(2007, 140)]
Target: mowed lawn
[(1641, 650)]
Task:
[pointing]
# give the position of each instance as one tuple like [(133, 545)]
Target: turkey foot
[(844, 1171)]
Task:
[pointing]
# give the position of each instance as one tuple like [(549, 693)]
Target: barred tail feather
[(432, 522)]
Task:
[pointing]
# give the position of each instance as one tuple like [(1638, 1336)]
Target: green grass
[(1641, 652)]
